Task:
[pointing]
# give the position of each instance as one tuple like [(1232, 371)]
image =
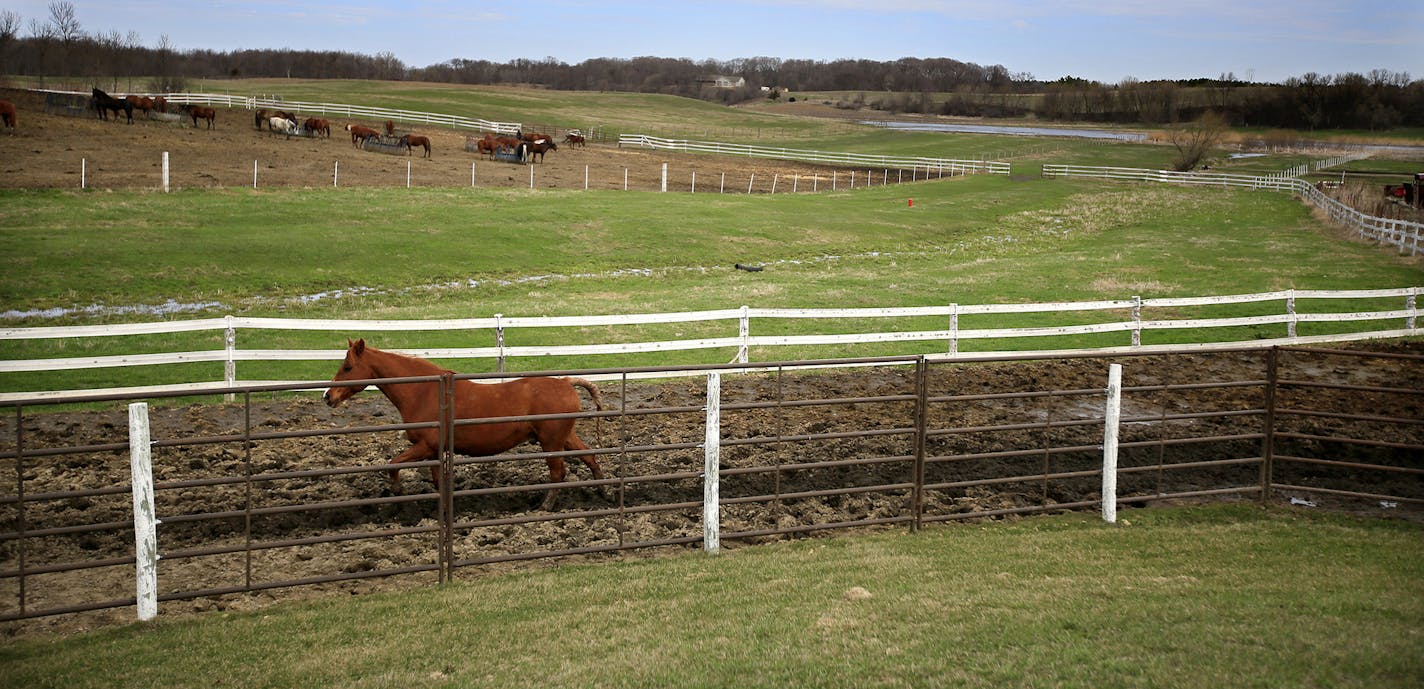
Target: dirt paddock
[(995, 454), (54, 151)]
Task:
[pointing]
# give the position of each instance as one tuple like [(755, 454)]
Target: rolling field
[(1054, 601)]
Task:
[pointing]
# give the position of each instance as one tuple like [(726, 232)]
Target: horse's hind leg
[(558, 471), (415, 453)]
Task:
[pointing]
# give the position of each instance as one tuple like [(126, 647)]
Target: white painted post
[(744, 331), (751, 182), (230, 362), (472, 175), (83, 172), (885, 179), (664, 187), (585, 178), (531, 175), (165, 172), (852, 180), (1136, 321), (1290, 314), (407, 174), (335, 172), (815, 182), (954, 328), (254, 174), (145, 518), (833, 181), (694, 181), (773, 182), (625, 179), (722, 188), (795, 182), (711, 465), (1112, 417), (499, 341), (1411, 305)]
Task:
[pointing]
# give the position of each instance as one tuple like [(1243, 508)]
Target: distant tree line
[(58, 46)]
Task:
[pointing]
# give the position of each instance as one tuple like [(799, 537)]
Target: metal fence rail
[(795, 456)]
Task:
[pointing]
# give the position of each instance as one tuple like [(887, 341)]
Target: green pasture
[(1226, 595), (460, 253), (472, 253)]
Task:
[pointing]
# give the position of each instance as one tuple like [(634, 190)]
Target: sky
[(1102, 40)]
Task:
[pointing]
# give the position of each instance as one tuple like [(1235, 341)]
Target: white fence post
[(694, 181), (1111, 419), (499, 341), (751, 182), (664, 185), (165, 172), (83, 173), (954, 328), (407, 174), (230, 361), (744, 331), (472, 175), (254, 174), (335, 172), (1290, 314), (1411, 303), (1136, 321), (711, 465), (145, 518)]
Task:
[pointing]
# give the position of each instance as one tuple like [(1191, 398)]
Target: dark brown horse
[(420, 403), (259, 119), (7, 113), (410, 140), (359, 134), (200, 112), (105, 103), (541, 146)]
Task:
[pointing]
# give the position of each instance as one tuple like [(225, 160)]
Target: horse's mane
[(415, 361)]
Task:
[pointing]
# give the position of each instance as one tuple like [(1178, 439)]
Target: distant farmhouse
[(722, 82)]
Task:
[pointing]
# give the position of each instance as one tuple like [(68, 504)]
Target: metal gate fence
[(266, 493)]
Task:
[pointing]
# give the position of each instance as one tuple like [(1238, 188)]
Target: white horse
[(282, 125)]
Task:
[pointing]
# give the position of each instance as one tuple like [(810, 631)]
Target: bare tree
[(10, 23), (1195, 140), (65, 20)]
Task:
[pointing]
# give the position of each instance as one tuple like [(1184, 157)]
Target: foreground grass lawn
[(1217, 596)]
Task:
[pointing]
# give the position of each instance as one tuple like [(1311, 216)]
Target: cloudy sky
[(1105, 40)]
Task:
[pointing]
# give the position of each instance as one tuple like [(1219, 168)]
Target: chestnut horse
[(198, 112), (420, 403), (359, 134), (143, 103), (410, 140), (7, 113), (316, 126), (486, 145), (574, 139)]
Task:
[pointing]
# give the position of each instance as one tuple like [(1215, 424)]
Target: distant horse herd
[(521, 147)]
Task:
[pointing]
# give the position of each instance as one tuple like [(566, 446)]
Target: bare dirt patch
[(1158, 426), (53, 151)]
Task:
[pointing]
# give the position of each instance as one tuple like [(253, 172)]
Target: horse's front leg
[(415, 453)]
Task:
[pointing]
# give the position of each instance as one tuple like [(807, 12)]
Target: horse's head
[(353, 367)]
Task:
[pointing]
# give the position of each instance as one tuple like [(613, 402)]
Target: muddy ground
[(55, 151), (1154, 419)]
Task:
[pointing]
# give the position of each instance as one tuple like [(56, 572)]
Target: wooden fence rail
[(1134, 324), (946, 165), (1404, 235)]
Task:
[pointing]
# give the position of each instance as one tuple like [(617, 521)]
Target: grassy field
[(1214, 596), (466, 253), (424, 254)]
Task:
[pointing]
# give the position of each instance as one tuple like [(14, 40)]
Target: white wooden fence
[(951, 335), (344, 110), (1405, 235), (941, 165)]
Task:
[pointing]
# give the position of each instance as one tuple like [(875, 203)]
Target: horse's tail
[(597, 404), (592, 391)]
